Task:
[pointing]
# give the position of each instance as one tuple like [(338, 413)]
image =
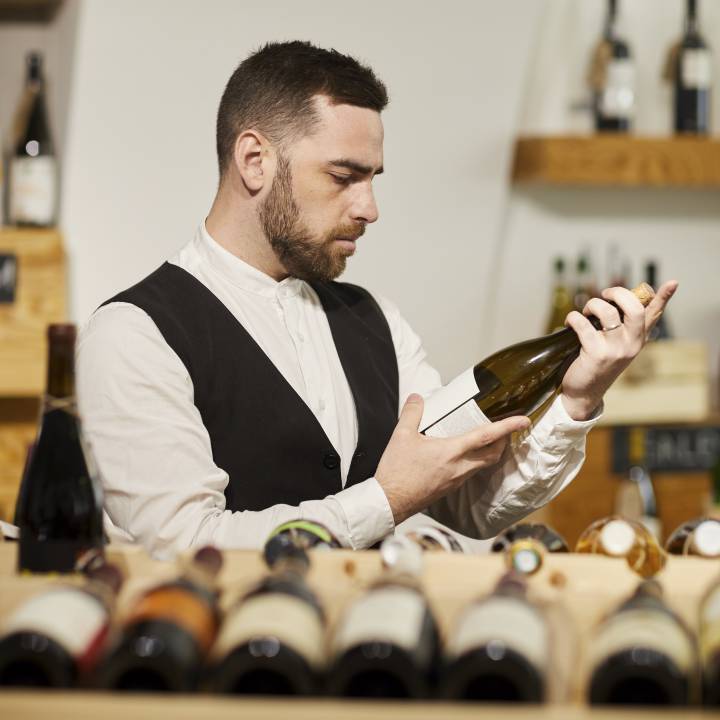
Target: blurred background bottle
[(434, 539), (525, 545), (661, 331), (585, 282), (700, 536), (299, 534), (562, 302)]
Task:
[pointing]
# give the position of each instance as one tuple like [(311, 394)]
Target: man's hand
[(416, 470), (606, 353)]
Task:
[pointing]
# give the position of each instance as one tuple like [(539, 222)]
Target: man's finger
[(412, 413), (488, 434), (655, 309)]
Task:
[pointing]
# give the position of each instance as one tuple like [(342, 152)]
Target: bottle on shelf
[(525, 545), (643, 654), (585, 284), (514, 381), (33, 175), (700, 537), (612, 78), (55, 638), (618, 268), (709, 645), (562, 302), (615, 536), (59, 510), (689, 69), (434, 538), (168, 632), (386, 644), (498, 649), (304, 534), (661, 331), (272, 641)]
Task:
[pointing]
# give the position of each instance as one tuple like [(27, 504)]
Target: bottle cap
[(617, 538), (402, 555), (525, 556), (706, 538), (208, 558), (62, 332)]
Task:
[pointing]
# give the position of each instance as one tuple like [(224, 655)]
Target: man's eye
[(341, 179)]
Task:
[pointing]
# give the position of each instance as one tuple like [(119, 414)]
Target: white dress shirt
[(162, 488)]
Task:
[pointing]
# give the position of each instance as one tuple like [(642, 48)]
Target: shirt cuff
[(556, 432), (367, 512)]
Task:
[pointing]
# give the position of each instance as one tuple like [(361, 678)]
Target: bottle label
[(32, 190), (451, 410), (391, 614), (289, 619), (618, 95), (652, 629), (502, 619), (696, 69), (74, 619)]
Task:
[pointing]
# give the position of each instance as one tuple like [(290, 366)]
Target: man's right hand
[(415, 470)]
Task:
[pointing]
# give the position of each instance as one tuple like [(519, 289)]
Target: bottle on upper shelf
[(303, 534), (643, 654), (525, 545), (689, 69), (498, 649), (272, 641), (434, 539), (612, 78), (168, 632), (55, 639), (700, 537), (33, 174), (59, 509), (386, 644), (562, 301), (620, 537), (585, 282), (517, 380), (661, 331)]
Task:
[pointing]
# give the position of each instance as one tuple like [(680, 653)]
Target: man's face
[(321, 198)]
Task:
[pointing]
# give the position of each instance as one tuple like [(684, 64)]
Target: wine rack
[(580, 590)]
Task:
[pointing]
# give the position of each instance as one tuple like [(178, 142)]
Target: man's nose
[(364, 207)]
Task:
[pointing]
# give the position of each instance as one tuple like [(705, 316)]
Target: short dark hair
[(271, 91)]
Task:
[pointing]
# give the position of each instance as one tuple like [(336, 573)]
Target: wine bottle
[(168, 633), (692, 78), (55, 638), (623, 538), (585, 285), (642, 654), (304, 534), (60, 504), (498, 649), (272, 642), (386, 643), (433, 538), (709, 645), (514, 381), (612, 78), (700, 536), (32, 183), (661, 330), (562, 302), (525, 545)]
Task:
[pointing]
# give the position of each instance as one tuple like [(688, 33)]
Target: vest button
[(331, 461), (359, 455)]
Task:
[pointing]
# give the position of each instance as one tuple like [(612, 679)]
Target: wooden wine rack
[(578, 590)]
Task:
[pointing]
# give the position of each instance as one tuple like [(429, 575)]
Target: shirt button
[(300, 337), (331, 461)]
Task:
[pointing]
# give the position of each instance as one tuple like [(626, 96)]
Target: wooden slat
[(617, 160)]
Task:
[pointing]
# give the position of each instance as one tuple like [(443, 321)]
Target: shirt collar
[(242, 274)]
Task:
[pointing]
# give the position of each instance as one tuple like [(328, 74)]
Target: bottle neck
[(61, 373), (610, 20), (691, 19)]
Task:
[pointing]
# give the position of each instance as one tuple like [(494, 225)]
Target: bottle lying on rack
[(619, 537), (525, 545), (59, 509), (434, 538), (168, 633), (55, 639), (517, 380), (386, 643), (498, 649), (303, 534), (643, 654), (709, 632), (700, 536), (272, 641)]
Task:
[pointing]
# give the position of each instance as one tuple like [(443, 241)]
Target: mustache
[(348, 232)]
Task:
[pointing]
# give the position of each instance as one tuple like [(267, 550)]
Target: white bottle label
[(618, 96), (287, 618), (392, 614), (696, 69), (451, 410), (506, 620), (32, 190), (72, 618)]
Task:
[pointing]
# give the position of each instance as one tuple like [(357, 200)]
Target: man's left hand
[(604, 354)]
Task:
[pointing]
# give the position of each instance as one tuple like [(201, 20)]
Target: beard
[(302, 254)]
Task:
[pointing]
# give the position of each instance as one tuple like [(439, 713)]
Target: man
[(238, 386)]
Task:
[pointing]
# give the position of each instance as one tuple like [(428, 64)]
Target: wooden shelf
[(617, 161)]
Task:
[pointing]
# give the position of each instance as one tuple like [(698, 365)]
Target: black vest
[(262, 433)]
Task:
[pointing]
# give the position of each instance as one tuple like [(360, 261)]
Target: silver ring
[(612, 327)]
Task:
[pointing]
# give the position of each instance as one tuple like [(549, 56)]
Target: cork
[(644, 293)]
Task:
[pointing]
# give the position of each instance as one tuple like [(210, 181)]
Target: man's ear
[(253, 159)]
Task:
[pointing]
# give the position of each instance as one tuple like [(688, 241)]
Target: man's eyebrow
[(356, 166)]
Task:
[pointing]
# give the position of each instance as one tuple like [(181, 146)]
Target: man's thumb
[(412, 412)]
